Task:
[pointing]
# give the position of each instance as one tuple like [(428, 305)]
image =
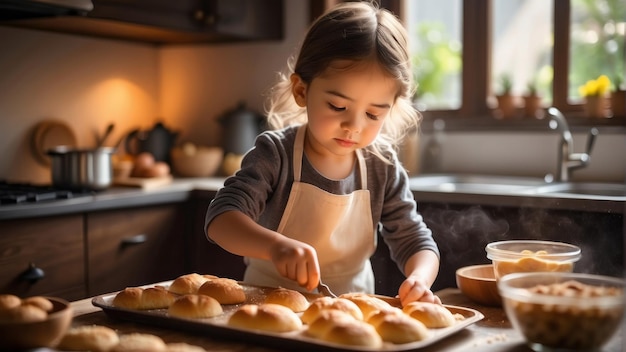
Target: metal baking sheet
[(217, 326)]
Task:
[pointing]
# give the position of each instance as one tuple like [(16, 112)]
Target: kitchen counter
[(182, 189), (494, 333)]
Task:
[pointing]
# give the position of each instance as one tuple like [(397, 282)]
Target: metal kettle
[(158, 141), (241, 126)]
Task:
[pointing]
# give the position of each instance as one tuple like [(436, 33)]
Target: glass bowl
[(517, 256), (563, 311)]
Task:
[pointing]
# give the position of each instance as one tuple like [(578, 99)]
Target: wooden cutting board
[(144, 182)]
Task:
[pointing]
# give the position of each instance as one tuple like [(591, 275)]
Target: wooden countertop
[(492, 334)]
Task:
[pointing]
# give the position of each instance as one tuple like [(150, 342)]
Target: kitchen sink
[(584, 188)]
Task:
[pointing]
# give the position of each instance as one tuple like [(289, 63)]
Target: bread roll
[(430, 314), (225, 291), (129, 298), (183, 347), (137, 342), (156, 297), (366, 303), (9, 301), (322, 303), (189, 283), (95, 338), (291, 299), (195, 307), (23, 314), (267, 317), (353, 333), (40, 302), (396, 327), (325, 320)]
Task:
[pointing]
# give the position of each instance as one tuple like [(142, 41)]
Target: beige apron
[(339, 227)]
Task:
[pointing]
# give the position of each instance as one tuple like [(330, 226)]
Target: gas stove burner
[(17, 193)]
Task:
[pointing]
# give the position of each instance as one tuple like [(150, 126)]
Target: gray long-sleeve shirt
[(261, 190)]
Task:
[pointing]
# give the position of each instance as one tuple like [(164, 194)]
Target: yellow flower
[(597, 87)]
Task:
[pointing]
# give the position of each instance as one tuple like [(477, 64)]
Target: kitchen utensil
[(241, 126), (32, 335), (106, 134), (158, 141), (325, 290), (478, 282), (48, 134), (89, 169)]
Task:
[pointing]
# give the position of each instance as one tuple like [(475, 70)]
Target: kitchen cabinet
[(43, 256), (171, 22), (134, 246)]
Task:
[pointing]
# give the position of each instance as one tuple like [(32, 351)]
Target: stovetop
[(18, 193)]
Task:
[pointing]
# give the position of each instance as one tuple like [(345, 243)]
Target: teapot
[(241, 126), (158, 141)]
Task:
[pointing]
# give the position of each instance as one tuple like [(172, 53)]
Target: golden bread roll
[(9, 301), (291, 299), (183, 347), (40, 302), (325, 320), (366, 303), (189, 283), (195, 307), (23, 314), (267, 317), (353, 333), (322, 303), (396, 327), (225, 291), (138, 342), (156, 297), (129, 298), (95, 338), (430, 314)]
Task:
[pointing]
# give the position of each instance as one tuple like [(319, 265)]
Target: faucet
[(569, 161)]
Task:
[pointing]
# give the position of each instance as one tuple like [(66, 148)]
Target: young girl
[(312, 194)]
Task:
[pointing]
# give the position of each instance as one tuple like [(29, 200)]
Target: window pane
[(435, 37), (597, 42), (522, 43)]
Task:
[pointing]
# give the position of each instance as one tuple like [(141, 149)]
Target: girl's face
[(346, 106)]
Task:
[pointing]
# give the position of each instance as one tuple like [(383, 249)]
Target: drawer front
[(43, 256), (134, 247)]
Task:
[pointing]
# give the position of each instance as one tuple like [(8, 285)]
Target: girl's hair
[(354, 31)]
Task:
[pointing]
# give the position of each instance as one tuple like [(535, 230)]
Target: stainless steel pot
[(89, 169)]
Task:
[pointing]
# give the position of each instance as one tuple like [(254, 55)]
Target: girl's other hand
[(415, 289), (296, 261)]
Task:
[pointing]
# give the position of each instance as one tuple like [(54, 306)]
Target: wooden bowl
[(196, 161), (46, 333), (478, 283)]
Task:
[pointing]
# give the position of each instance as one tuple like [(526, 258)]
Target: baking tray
[(217, 326)]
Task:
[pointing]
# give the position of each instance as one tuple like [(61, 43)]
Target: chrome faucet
[(569, 161)]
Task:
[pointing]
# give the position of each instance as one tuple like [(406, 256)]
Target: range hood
[(24, 9)]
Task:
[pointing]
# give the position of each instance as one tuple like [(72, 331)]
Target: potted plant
[(532, 101), (506, 101), (595, 94), (618, 98)]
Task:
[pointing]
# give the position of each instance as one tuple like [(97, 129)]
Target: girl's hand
[(296, 261), (414, 288)]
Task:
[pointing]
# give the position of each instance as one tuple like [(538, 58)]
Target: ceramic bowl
[(45, 333), (518, 256), (196, 161), (478, 283), (563, 311)]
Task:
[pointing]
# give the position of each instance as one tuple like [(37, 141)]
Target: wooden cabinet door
[(43, 256), (132, 247)]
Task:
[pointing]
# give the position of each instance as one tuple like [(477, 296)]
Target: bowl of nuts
[(519, 256), (568, 311)]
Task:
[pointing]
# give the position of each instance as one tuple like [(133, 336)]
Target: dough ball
[(9, 301), (366, 303), (189, 283), (129, 298), (322, 303), (137, 342), (267, 317), (156, 297), (396, 327), (40, 302), (353, 333), (430, 314), (325, 320), (23, 314), (291, 299), (195, 307), (95, 338), (183, 347), (225, 291)]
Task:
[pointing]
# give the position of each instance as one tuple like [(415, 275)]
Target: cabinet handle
[(33, 273), (134, 240)]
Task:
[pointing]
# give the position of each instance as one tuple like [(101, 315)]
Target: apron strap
[(298, 151)]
